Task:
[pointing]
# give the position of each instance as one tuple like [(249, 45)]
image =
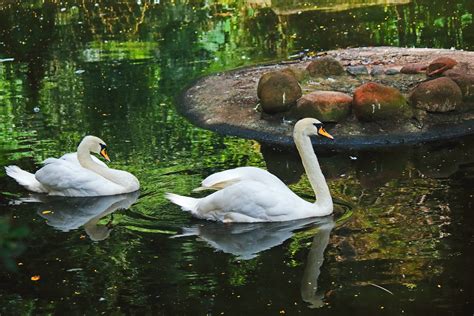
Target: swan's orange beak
[(323, 132), (104, 154)]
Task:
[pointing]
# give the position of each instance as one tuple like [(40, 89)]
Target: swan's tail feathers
[(25, 179), (187, 203)]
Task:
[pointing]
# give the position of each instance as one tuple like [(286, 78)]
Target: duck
[(250, 194), (77, 174)]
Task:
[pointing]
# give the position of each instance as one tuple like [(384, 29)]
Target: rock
[(437, 95), (392, 71), (464, 81), (261, 83), (373, 101), (326, 106), (377, 71), (357, 70), (278, 91), (440, 65), (325, 67), (461, 67), (415, 68), (299, 73)]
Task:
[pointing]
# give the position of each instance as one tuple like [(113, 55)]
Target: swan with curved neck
[(250, 194), (77, 174)]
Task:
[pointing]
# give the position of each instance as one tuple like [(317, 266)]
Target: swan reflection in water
[(245, 241), (69, 213)]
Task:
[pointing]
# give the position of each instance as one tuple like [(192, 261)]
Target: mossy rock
[(437, 95), (300, 74), (278, 91), (325, 67), (326, 106), (374, 102)]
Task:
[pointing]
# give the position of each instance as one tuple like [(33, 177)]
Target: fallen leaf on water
[(46, 212), (35, 278)]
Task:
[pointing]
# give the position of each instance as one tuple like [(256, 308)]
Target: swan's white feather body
[(68, 178)]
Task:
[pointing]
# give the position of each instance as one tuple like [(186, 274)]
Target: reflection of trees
[(25, 34), (285, 7), (420, 23)]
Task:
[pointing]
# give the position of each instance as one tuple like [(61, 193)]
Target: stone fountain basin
[(226, 103)]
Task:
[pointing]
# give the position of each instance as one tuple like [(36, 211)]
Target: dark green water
[(113, 69)]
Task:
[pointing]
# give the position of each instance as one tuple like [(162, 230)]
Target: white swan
[(251, 194), (77, 174)]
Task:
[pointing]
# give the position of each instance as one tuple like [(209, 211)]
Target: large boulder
[(440, 65), (325, 67), (437, 95), (278, 91), (373, 102), (326, 106), (299, 73), (464, 81)]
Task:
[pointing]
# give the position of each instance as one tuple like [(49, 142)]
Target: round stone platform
[(227, 103)]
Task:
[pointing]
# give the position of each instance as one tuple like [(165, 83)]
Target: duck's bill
[(104, 154), (324, 133)]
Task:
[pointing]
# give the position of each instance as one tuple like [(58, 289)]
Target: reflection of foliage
[(240, 271), (12, 146), (386, 224), (10, 243)]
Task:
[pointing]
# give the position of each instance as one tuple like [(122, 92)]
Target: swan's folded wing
[(72, 157), (63, 177), (219, 180), (223, 179)]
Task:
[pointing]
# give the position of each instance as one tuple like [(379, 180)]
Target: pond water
[(400, 242)]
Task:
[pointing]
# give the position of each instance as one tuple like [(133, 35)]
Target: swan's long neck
[(313, 170), (85, 159)]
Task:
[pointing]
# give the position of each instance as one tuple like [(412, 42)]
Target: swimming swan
[(77, 174), (250, 194)]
